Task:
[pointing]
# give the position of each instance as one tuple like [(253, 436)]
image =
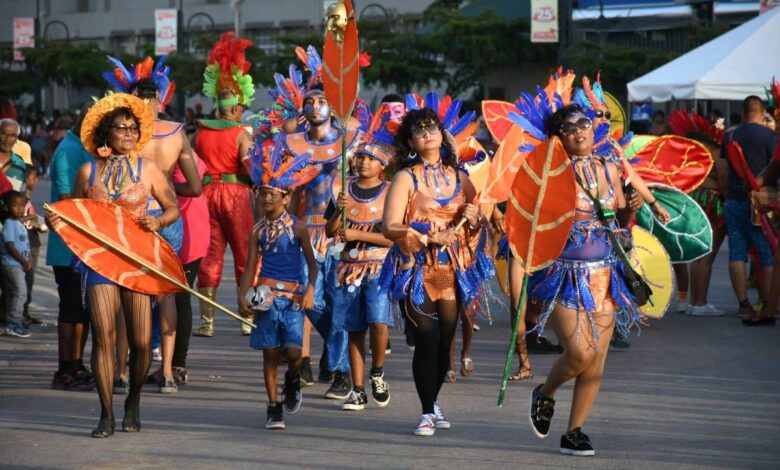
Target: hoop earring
[(412, 154), (104, 151)]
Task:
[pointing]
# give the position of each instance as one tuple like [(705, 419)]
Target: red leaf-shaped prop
[(541, 206), (738, 162), (675, 161), (505, 165), (117, 227), (495, 114), (341, 68)]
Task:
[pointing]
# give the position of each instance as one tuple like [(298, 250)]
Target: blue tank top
[(280, 249)]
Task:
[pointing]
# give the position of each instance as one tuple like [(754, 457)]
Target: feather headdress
[(378, 139), (273, 168), (126, 81), (533, 113), (591, 95), (448, 110), (287, 97), (312, 63), (694, 126), (773, 96), (228, 69)]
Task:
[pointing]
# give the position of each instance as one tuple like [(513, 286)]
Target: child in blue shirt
[(15, 261), (276, 297)]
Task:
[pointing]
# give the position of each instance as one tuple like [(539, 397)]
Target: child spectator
[(15, 262)]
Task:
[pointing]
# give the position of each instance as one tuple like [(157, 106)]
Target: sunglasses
[(420, 131), (127, 130), (603, 114), (569, 128)]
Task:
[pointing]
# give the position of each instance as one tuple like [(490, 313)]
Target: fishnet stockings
[(104, 301)]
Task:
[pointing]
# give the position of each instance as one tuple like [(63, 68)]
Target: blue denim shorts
[(742, 233), (359, 306), (281, 326)]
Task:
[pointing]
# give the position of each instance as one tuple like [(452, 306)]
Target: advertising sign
[(165, 31), (24, 36), (544, 20)]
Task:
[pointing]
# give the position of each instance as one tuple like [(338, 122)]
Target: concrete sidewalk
[(691, 392)]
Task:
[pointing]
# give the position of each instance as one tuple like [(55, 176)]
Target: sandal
[(180, 375), (522, 373), (450, 377), (466, 367)]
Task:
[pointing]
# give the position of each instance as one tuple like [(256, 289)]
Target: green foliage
[(66, 63), (618, 64), (474, 46)]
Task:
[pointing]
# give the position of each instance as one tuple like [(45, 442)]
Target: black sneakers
[(307, 379), (274, 416), (340, 388), (618, 344), (540, 412), (576, 442), (292, 395), (540, 345), (356, 401), (380, 390)]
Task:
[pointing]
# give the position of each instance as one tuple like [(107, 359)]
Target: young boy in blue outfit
[(16, 261), (276, 297), (359, 304)]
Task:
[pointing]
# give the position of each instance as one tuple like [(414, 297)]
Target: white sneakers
[(707, 310), (427, 426), (430, 422)]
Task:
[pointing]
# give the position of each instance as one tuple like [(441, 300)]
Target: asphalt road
[(690, 393)]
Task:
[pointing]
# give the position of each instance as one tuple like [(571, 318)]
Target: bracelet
[(160, 222)]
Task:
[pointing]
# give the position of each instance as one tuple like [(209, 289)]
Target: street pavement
[(691, 392)]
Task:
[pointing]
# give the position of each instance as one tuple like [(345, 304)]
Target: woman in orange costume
[(439, 259), (583, 296), (113, 129)]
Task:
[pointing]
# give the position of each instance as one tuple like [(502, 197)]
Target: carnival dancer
[(710, 197), (113, 130), (359, 304), (322, 140), (591, 97), (439, 260), (169, 148), (223, 144), (583, 296), (278, 242)]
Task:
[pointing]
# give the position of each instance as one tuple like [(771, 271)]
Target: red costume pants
[(231, 222)]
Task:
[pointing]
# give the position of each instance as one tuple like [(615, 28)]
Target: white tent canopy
[(730, 67)]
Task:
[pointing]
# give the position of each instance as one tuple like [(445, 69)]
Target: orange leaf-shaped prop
[(496, 116), (340, 61), (505, 165), (100, 234), (675, 161), (117, 225), (541, 205)]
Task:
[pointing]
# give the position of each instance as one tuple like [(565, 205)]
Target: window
[(264, 40)]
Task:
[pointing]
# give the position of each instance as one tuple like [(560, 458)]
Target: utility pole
[(180, 98), (38, 104)]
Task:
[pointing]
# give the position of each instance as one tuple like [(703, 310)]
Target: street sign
[(544, 21), (24, 36), (165, 24)]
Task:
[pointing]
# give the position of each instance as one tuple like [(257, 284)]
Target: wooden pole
[(145, 264), (531, 242)]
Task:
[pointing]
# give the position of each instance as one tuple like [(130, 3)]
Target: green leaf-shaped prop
[(688, 236)]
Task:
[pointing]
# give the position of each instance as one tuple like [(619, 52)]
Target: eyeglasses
[(127, 130), (420, 131), (569, 128), (8, 134), (603, 114)]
